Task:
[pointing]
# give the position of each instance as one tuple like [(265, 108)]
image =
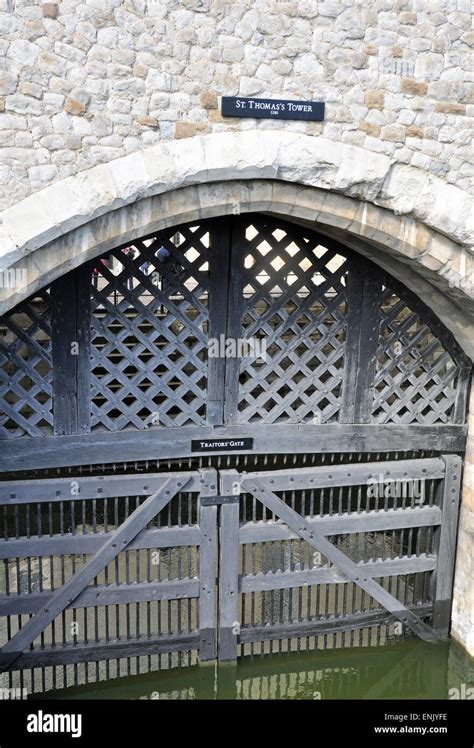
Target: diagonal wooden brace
[(118, 542), (307, 532)]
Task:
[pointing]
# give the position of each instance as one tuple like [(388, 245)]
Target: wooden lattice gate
[(330, 555), (245, 344)]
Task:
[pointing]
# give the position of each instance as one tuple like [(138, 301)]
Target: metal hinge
[(216, 500)]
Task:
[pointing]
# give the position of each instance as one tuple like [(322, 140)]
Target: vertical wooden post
[(364, 300), (83, 326), (445, 545), (229, 568), (219, 272), (70, 344), (227, 681), (208, 569), (235, 311), (462, 393)]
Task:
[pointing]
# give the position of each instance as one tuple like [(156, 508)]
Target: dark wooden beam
[(326, 626), (235, 313), (70, 340), (364, 300), (91, 597), (444, 542), (70, 654), (170, 443), (208, 551), (219, 278)]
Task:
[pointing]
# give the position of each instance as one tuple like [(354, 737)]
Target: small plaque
[(221, 445), (241, 106)]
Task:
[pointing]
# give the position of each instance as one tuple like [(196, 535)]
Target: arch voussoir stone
[(228, 156), (413, 250)]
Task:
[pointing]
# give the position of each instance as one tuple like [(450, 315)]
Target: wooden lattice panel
[(416, 378), (25, 369), (331, 338), (294, 302), (149, 333)]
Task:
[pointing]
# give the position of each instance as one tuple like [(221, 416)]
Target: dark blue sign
[(241, 106), (222, 444)]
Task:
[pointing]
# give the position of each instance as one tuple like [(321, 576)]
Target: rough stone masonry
[(83, 83)]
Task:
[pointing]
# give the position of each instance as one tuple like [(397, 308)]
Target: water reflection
[(405, 670)]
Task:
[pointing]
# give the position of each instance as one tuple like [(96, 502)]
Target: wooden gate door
[(312, 552), (145, 584)]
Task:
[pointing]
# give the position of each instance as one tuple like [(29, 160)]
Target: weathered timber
[(119, 594), (168, 443), (335, 556), (330, 575), (445, 545), (208, 569), (72, 588), (392, 519), (228, 569), (330, 625), (89, 543)]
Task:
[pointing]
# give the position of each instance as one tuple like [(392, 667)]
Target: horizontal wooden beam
[(104, 595), (330, 575), (58, 545), (76, 488), (352, 474), (327, 626), (342, 524), (168, 443), (73, 653)]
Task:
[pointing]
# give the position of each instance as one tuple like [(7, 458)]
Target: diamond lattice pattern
[(25, 369), (416, 377), (295, 305), (149, 332), (149, 340)]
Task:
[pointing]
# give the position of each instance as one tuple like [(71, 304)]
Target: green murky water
[(405, 670)]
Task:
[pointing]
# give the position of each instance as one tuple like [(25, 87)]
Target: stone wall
[(463, 596), (85, 82)]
